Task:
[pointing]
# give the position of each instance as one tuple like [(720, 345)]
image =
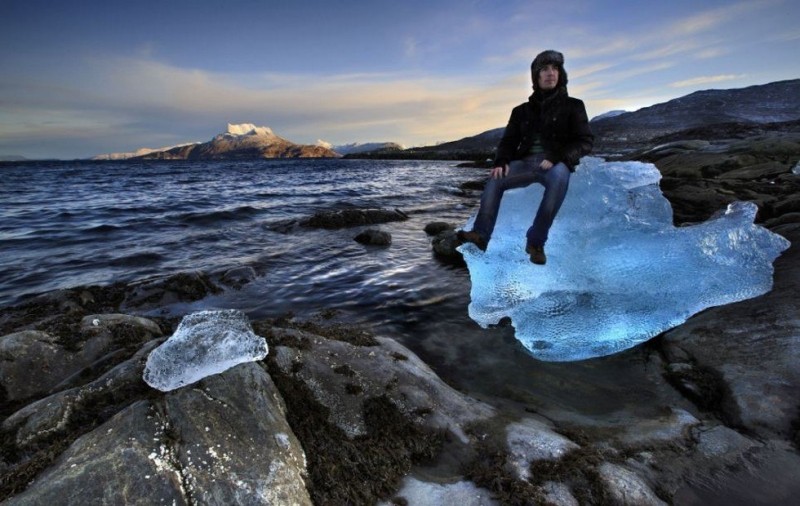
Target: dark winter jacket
[(561, 122)]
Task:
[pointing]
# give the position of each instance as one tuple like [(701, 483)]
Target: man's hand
[(499, 172), (546, 165)]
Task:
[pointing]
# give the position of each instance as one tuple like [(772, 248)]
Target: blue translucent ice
[(618, 272)]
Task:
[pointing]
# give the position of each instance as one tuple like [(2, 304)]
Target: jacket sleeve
[(582, 140), (512, 136)]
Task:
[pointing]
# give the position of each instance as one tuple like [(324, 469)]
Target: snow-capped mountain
[(243, 141)]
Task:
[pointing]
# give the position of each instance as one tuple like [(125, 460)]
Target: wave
[(209, 218)]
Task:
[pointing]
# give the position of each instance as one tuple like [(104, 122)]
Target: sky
[(83, 78)]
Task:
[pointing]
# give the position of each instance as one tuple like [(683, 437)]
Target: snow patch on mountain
[(248, 129)]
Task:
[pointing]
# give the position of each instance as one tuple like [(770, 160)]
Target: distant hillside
[(767, 103), (242, 142), (361, 147), (477, 147)]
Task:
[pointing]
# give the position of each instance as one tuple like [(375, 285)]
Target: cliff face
[(242, 142)]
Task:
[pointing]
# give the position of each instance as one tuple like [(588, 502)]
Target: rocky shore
[(336, 415)]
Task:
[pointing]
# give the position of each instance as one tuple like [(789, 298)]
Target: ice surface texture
[(618, 272), (205, 343)]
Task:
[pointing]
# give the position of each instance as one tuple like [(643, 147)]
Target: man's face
[(548, 77)]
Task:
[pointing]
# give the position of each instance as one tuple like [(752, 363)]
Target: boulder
[(342, 376), (59, 362), (626, 488), (374, 237), (751, 348), (444, 246), (222, 441), (165, 290), (437, 227), (237, 277), (343, 218)]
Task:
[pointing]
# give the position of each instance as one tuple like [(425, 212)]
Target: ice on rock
[(618, 272), (205, 343)]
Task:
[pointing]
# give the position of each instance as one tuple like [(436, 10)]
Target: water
[(70, 224)]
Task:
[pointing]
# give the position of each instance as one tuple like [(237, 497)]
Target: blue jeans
[(523, 173)]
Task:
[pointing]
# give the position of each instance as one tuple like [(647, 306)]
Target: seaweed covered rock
[(222, 441)]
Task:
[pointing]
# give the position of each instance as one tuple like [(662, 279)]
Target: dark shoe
[(473, 237), (537, 254)]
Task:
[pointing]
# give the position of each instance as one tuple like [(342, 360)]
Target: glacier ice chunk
[(618, 272), (205, 343)]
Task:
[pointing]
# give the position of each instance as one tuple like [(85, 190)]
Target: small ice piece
[(205, 343), (618, 272), (796, 169)]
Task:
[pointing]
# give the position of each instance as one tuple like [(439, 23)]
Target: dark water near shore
[(75, 223)]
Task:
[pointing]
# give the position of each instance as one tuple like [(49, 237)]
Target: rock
[(422, 493), (374, 237), (353, 217), (224, 441), (444, 246), (56, 365), (764, 170), (626, 487), (31, 350), (753, 347), (476, 184), (437, 227), (238, 277), (165, 290), (672, 427), (558, 494), (530, 440), (340, 218), (342, 377), (58, 413)]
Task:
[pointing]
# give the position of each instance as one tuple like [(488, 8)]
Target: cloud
[(697, 81)]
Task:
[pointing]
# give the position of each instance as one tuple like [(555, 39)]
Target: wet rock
[(753, 348), (57, 363), (342, 377), (238, 277), (58, 414), (558, 494), (166, 290), (530, 440), (374, 237), (444, 246), (223, 441), (437, 227), (626, 487), (674, 426), (422, 493), (343, 218), (475, 185)]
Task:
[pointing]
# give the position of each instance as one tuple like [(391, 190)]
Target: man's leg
[(520, 173), (556, 182)]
